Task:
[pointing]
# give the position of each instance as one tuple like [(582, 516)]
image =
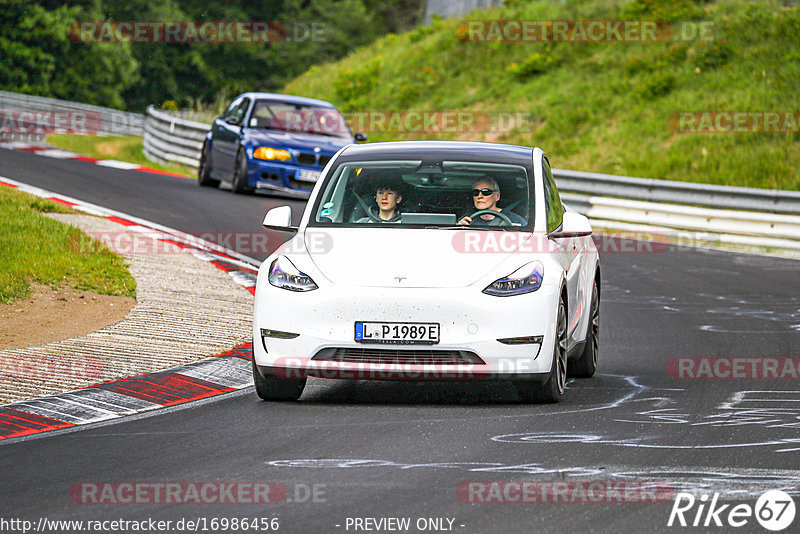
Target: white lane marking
[(108, 400), (114, 164), (56, 153), (243, 279), (20, 145), (46, 409), (228, 371)]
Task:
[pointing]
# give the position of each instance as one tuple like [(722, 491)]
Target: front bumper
[(470, 323), (277, 176)]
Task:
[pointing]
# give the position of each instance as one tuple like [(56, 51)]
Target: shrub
[(536, 63), (656, 84)]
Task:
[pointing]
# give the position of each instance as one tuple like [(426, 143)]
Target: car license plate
[(398, 333), (307, 175)]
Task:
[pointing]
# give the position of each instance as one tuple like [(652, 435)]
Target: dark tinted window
[(237, 109), (552, 200)]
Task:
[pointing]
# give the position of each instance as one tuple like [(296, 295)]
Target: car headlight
[(526, 279), (266, 152), (283, 274)]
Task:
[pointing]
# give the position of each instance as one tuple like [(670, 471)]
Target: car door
[(226, 134), (570, 252)]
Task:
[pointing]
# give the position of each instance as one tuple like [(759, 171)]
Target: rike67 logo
[(774, 510)]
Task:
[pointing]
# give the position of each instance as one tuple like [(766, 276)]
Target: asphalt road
[(408, 450)]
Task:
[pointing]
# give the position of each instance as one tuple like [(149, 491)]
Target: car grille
[(307, 158), (323, 160), (398, 356)]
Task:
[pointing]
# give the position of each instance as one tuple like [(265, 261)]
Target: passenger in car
[(485, 196), (387, 197)]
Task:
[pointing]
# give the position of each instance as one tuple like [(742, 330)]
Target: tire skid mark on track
[(223, 373), (50, 152)]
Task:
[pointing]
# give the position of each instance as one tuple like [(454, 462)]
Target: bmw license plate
[(307, 175), (398, 333)]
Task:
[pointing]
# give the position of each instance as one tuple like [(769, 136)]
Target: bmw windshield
[(298, 118)]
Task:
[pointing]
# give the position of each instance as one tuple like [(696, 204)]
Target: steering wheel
[(492, 212)]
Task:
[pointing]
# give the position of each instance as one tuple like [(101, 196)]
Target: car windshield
[(414, 193), (297, 118)]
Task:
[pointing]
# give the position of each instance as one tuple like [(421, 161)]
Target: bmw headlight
[(265, 152), (526, 279), (283, 274)]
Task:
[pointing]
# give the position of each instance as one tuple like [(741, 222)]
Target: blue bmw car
[(272, 142)]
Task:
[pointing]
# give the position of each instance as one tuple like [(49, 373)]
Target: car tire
[(271, 388), (586, 365), (239, 182), (552, 390), (204, 169)]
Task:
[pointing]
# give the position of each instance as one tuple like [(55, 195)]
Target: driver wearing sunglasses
[(485, 195)]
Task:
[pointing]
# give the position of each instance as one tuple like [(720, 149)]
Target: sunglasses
[(485, 192)]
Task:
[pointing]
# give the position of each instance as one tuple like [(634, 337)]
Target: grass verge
[(601, 106), (127, 148), (35, 248)]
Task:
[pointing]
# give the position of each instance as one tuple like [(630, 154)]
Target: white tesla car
[(430, 261)]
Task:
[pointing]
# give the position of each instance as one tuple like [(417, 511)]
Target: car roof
[(290, 99), (414, 149)]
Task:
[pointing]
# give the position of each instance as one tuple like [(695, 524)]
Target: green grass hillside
[(597, 106)]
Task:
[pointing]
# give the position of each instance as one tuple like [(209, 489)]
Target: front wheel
[(239, 183), (553, 389), (271, 388), (586, 365)]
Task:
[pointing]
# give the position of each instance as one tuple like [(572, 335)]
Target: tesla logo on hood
[(399, 279)]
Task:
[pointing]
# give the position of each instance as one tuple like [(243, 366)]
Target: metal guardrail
[(168, 137), (32, 117), (672, 192)]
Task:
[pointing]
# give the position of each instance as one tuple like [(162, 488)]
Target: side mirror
[(280, 219), (573, 225), (233, 121), (360, 137)]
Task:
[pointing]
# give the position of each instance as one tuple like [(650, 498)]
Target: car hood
[(297, 141), (382, 257)]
